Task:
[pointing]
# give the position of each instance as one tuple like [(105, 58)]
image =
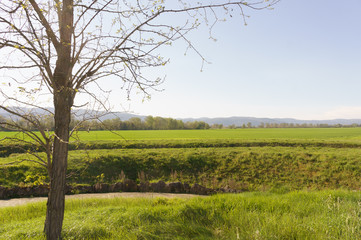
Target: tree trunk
[(63, 101), (56, 197)]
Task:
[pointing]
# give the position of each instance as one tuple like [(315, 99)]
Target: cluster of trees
[(149, 123), (135, 123)]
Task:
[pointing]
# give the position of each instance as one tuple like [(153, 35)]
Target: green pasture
[(349, 134), (295, 215), (249, 134)]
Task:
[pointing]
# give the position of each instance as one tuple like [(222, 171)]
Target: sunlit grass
[(249, 134), (257, 215), (272, 133)]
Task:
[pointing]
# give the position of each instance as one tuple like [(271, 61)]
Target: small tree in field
[(62, 47)]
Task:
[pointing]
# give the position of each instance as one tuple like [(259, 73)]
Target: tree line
[(135, 123), (150, 123)]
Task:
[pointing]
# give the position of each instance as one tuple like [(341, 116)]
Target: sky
[(301, 60)]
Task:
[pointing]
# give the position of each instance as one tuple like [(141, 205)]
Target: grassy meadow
[(252, 215), (349, 134)]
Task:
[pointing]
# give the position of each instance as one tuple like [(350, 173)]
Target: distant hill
[(78, 113), (239, 121), (226, 121), (121, 115)]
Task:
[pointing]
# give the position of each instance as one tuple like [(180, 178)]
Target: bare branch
[(47, 26)]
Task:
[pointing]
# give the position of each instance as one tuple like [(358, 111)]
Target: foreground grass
[(295, 215)]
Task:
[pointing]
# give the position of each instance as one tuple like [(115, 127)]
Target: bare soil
[(21, 201)]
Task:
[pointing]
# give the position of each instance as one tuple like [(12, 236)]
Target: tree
[(149, 122), (217, 126), (135, 123), (160, 123), (62, 48)]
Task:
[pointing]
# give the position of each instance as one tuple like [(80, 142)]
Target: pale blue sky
[(300, 60)]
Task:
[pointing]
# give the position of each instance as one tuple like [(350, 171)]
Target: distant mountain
[(23, 111), (80, 113), (124, 116), (239, 121), (226, 121)]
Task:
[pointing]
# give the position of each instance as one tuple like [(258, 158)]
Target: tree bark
[(63, 101), (56, 197)]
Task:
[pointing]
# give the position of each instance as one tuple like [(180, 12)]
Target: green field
[(353, 134), (350, 134)]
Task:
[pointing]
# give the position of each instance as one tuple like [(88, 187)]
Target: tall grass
[(257, 215)]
